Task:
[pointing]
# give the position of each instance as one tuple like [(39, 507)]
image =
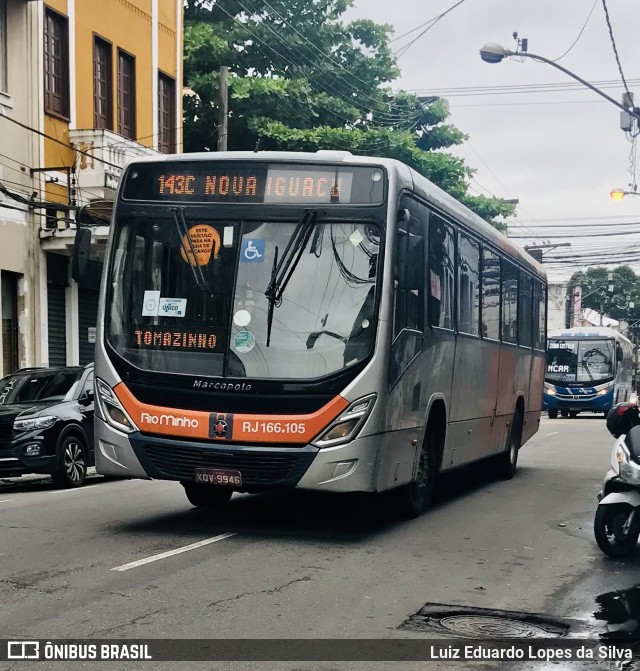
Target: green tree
[(302, 79), (595, 285)]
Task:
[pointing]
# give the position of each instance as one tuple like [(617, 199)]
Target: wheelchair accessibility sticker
[(252, 251)]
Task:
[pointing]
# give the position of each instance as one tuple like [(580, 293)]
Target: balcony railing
[(108, 153)]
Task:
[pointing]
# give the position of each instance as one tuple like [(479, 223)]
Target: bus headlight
[(603, 392), (112, 410), (348, 424), (550, 392)]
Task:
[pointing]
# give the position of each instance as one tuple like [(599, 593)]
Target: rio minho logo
[(169, 420), (23, 650)]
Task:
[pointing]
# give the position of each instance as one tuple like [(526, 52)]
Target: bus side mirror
[(81, 254)]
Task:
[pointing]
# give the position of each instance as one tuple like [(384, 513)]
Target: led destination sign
[(254, 183), (182, 340)]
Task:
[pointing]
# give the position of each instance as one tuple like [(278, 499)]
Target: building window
[(441, 274), (9, 299), (490, 295), (166, 114), (56, 64), (468, 285), (102, 85), (4, 86), (126, 95)]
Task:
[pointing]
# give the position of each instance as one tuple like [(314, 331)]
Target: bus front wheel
[(207, 496), (413, 499), (553, 414)]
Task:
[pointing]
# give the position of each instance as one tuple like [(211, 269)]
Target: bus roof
[(588, 332), (405, 176)]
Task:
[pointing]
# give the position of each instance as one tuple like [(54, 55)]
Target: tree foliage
[(301, 78), (595, 285)]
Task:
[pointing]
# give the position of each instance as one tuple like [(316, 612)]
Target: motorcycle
[(617, 522)]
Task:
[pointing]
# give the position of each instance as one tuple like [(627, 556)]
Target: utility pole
[(223, 106)]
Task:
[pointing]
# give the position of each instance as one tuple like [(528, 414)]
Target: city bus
[(317, 321), (588, 370)]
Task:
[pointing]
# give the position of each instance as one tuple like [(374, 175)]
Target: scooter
[(617, 522)]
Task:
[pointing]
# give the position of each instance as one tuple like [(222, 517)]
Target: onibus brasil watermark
[(391, 649)]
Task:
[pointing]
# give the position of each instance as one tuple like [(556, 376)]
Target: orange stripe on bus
[(222, 427)]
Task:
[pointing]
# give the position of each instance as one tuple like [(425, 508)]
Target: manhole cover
[(468, 622), (474, 626)]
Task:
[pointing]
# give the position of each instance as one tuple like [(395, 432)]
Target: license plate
[(218, 476)]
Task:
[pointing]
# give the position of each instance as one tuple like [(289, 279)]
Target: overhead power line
[(575, 227), (516, 89), (403, 50), (60, 142), (570, 235), (613, 44), (595, 2), (297, 61)]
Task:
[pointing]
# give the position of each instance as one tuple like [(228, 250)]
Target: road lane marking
[(70, 491), (6, 500), (171, 553), (553, 433)]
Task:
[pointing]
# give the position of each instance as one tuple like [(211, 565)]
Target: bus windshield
[(584, 362), (188, 296)]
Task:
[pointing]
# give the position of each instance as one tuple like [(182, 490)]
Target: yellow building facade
[(111, 91)]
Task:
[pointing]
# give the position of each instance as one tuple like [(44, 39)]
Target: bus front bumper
[(347, 468), (593, 403)]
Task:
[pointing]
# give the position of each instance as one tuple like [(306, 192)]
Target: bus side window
[(509, 303), (539, 314), (490, 295), (409, 288), (468, 285), (525, 310), (410, 269), (441, 274)]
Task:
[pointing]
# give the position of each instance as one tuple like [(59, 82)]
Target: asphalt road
[(98, 563)]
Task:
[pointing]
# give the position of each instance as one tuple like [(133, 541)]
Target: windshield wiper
[(284, 267), (585, 361), (177, 214)]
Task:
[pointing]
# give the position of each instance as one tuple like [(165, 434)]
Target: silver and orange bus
[(321, 321)]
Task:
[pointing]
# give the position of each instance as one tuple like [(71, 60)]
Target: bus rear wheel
[(553, 414), (207, 496), (507, 462)]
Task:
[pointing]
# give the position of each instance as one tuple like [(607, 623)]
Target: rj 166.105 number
[(274, 427)]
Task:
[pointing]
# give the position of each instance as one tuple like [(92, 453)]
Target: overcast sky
[(559, 153)]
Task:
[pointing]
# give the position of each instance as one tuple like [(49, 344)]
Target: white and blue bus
[(588, 370)]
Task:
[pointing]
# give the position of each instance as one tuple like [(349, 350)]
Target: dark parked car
[(46, 423)]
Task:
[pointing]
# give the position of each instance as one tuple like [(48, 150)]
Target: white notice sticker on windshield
[(172, 307), (356, 238), (150, 303)]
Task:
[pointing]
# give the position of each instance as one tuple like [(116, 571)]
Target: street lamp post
[(495, 53), (619, 194)]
